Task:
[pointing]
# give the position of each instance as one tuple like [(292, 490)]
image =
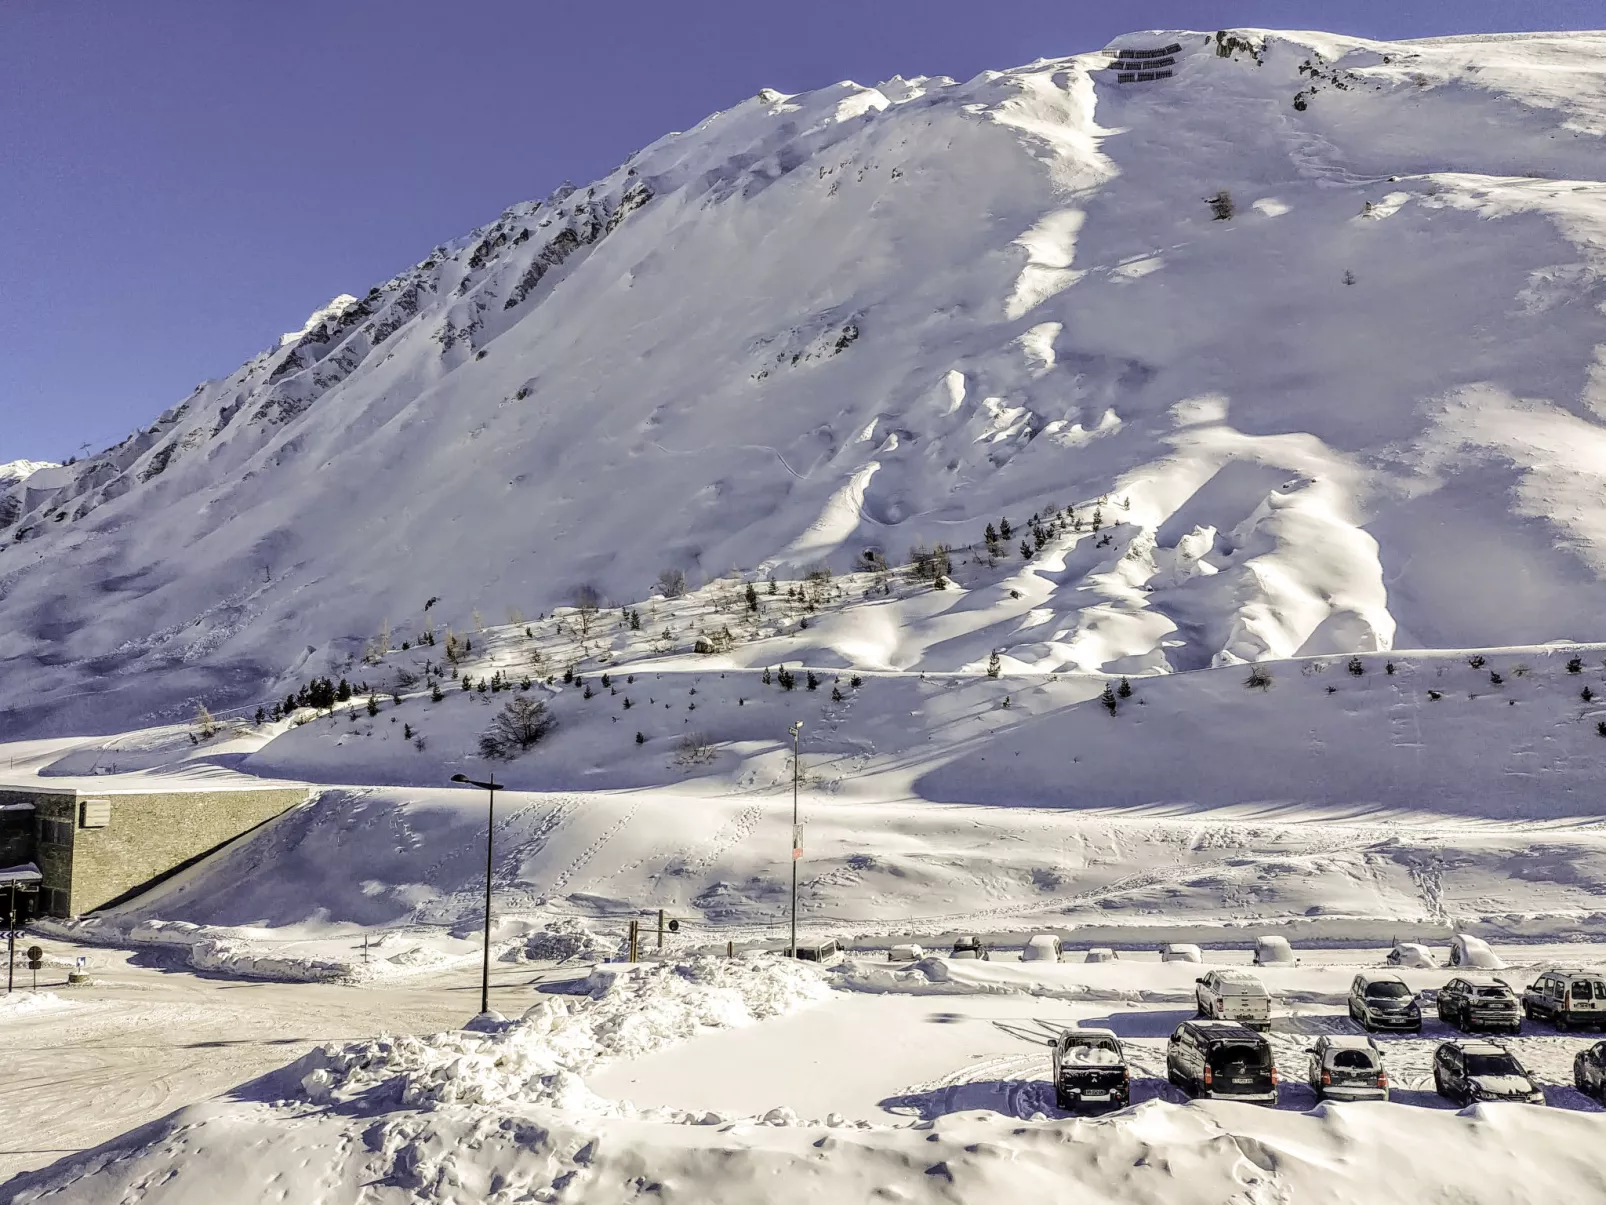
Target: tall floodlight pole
[(797, 837), (491, 788)]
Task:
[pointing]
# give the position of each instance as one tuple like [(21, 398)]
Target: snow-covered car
[(1473, 952), (971, 947), (1233, 996), (1221, 1060), (1180, 951), (1567, 996), (1347, 1067), (1044, 947), (1099, 954), (906, 953), (826, 953), (1467, 1070), (1479, 1002), (1382, 1000), (1589, 1071), (1410, 954), (1274, 951), (1090, 1070)]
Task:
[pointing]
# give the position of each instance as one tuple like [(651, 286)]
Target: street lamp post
[(797, 841), (491, 788)]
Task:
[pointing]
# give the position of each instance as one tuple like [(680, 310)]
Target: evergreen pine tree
[(1125, 689), (373, 705), (435, 692), (994, 665), (752, 597), (1108, 699)]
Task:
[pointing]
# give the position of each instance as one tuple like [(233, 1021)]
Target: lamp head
[(459, 777)]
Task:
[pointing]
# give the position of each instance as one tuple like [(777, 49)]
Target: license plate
[(1243, 1080), (1095, 1096)]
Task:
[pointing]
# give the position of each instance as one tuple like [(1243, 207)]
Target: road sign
[(674, 926), (36, 958)]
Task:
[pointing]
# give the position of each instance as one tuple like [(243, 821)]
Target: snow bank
[(937, 976), (630, 1010), (27, 1004), (562, 940)]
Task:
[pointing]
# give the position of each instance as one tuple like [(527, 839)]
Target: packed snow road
[(143, 1038)]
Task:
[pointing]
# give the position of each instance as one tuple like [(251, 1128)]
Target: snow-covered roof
[(1349, 1041)]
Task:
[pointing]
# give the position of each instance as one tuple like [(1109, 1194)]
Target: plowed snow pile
[(538, 1060)]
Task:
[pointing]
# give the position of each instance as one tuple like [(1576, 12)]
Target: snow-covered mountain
[(1364, 410)]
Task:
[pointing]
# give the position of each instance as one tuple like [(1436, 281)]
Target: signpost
[(36, 959), (12, 932)]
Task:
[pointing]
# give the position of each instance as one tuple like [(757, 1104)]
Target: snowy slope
[(879, 317)]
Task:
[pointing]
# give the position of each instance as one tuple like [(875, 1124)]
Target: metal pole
[(797, 851), (11, 940), (660, 928), (485, 966)]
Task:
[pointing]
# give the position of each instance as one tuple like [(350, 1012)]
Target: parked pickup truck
[(1233, 996), (1090, 1070)]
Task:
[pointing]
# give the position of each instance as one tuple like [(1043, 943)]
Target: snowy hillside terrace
[(882, 317)]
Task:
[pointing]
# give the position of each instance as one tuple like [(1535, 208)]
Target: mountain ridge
[(870, 318)]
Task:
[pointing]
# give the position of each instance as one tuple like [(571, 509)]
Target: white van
[(1180, 951), (1100, 954), (1045, 947), (826, 953), (1473, 952), (1567, 996), (1233, 996), (1410, 954), (906, 953), (1274, 951)]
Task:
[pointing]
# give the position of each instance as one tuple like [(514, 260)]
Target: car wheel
[(1527, 1010)]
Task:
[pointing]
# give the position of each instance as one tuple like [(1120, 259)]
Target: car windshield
[(1092, 1052), (1492, 1064), (1240, 1057), (1494, 993), (1387, 991)]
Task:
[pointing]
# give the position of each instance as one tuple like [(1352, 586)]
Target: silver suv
[(1347, 1067), (1381, 1000)]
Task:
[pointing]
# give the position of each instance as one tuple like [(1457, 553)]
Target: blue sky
[(182, 180)]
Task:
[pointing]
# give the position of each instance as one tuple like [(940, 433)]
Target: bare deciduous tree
[(521, 723), (672, 582)]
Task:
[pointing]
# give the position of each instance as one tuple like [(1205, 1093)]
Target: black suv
[(1479, 1002), (1222, 1060), (971, 947), (1589, 1071), (1090, 1070), (1466, 1071)]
